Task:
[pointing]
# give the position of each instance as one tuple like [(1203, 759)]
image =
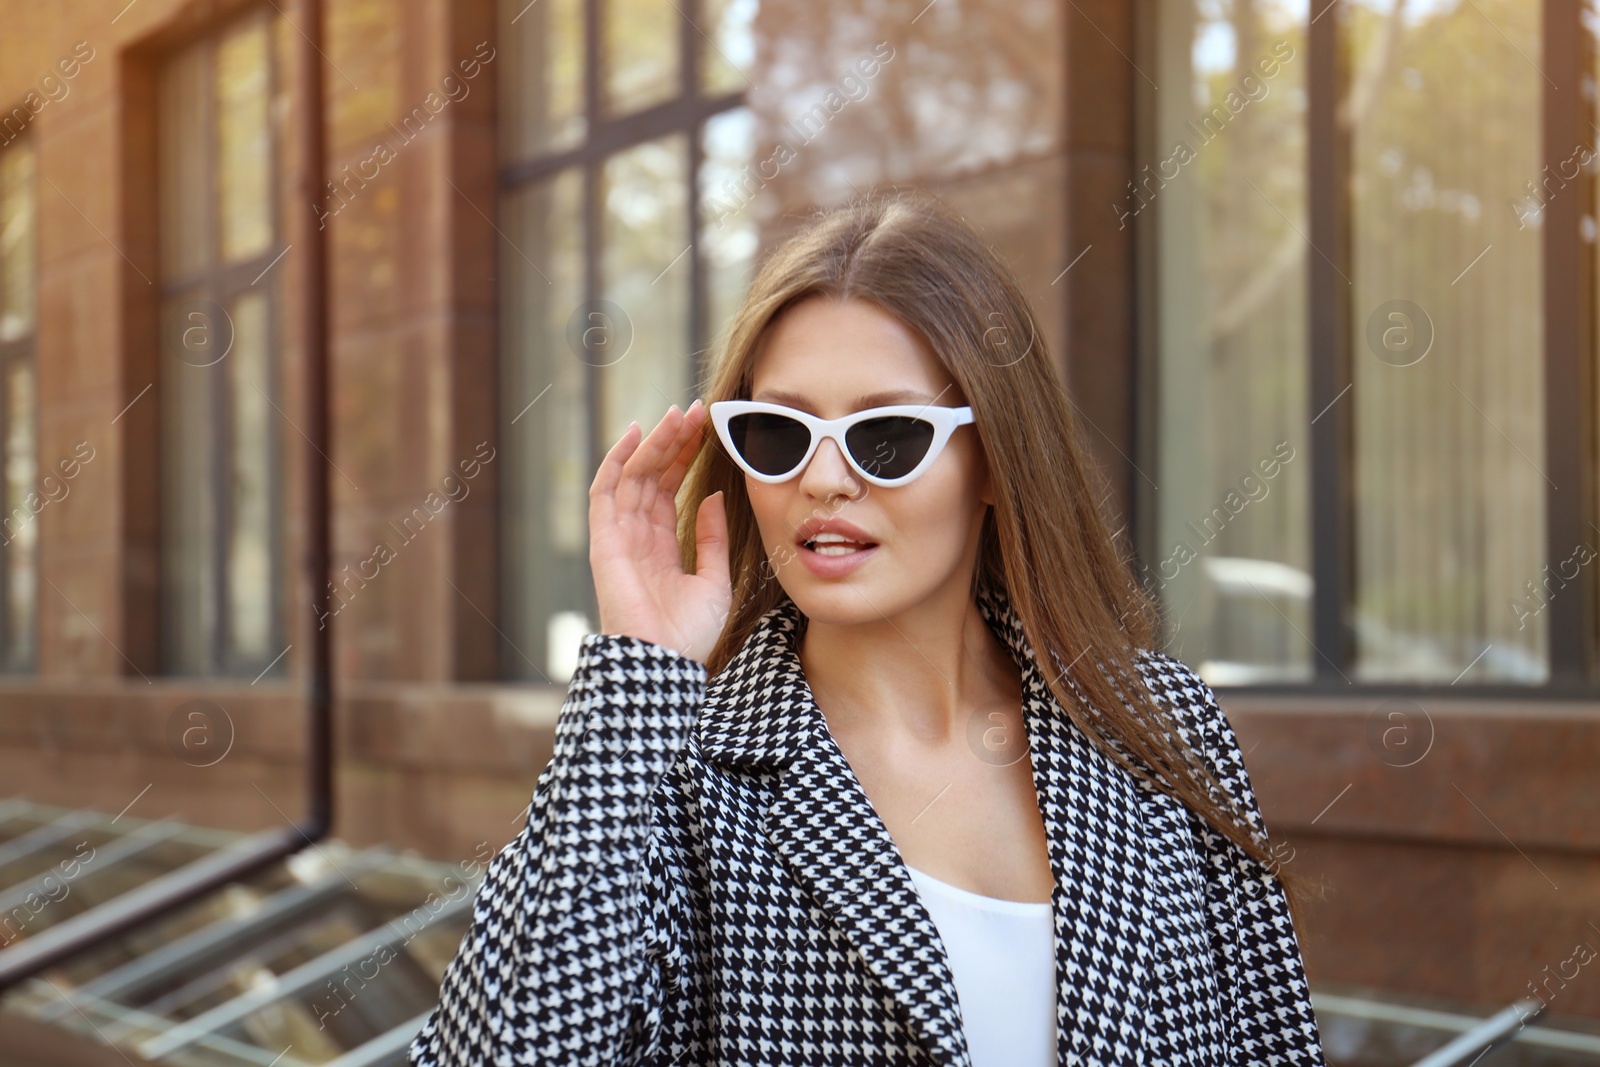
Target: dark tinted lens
[(772, 444), (891, 446)]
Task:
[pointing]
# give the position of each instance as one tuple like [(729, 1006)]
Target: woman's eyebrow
[(778, 396)]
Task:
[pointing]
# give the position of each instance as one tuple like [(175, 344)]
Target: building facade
[(1319, 276)]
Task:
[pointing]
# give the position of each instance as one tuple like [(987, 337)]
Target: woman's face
[(832, 358)]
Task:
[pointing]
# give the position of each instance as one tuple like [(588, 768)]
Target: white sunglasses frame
[(944, 420)]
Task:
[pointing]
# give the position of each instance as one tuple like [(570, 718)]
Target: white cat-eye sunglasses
[(887, 446)]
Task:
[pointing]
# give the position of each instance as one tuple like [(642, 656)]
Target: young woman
[(872, 762)]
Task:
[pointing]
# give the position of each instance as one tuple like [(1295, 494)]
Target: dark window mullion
[(276, 594), (230, 279), (218, 471), (8, 545), (592, 208), (1330, 300), (221, 464), (1569, 350), (689, 69), (223, 433), (10, 353), (609, 136)]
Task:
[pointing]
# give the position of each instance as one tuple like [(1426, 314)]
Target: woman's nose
[(828, 473)]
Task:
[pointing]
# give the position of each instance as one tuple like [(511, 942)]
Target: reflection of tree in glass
[(1255, 248), (1233, 256), (969, 86), (640, 53), (1435, 157), (644, 271), (1444, 125)]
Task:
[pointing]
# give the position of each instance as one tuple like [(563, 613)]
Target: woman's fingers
[(603, 490), (650, 470), (643, 469), (711, 540), (694, 422), (633, 521)]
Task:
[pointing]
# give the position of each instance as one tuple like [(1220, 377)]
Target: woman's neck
[(921, 674)]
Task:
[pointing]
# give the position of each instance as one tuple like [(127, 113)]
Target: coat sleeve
[(573, 930), (1259, 965)]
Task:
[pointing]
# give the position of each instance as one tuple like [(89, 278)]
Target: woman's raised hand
[(639, 579)]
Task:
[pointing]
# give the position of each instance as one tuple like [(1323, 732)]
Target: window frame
[(605, 136), (1569, 306), (217, 284)]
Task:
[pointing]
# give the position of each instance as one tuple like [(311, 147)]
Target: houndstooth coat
[(703, 880)]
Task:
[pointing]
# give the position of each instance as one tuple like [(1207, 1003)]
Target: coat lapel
[(759, 716), (825, 828), (1099, 851)]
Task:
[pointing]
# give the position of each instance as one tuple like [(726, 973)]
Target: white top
[(1002, 953)]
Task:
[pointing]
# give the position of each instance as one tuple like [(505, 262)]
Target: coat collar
[(759, 716)]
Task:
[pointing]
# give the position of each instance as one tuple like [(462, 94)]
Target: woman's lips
[(835, 566)]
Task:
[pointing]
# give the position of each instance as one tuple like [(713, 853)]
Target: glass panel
[(844, 96), (216, 168), (184, 165), (1020, 212), (244, 136), (645, 272), (640, 54), (1231, 551), (545, 430), (541, 67), (969, 107), (250, 525), (190, 336), (21, 529), (728, 236), (17, 241), (1448, 335), (728, 49)]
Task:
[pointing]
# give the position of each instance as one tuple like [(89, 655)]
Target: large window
[(612, 115), (1360, 457), (221, 570), (19, 530), (650, 150)]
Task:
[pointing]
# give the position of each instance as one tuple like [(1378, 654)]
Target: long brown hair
[(1044, 541)]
